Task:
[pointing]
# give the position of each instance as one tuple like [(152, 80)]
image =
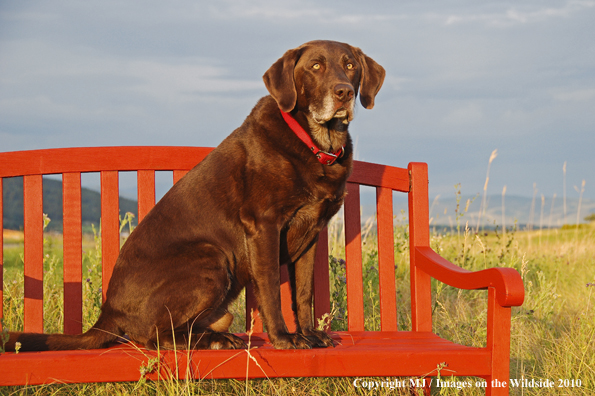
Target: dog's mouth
[(332, 111), (329, 127), (341, 113), (343, 116)]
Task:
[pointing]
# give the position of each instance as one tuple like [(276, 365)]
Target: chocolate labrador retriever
[(256, 202)]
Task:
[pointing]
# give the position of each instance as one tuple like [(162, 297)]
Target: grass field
[(553, 333)]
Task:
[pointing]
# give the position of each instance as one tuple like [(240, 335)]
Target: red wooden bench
[(359, 353)]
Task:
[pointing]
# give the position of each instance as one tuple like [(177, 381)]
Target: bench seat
[(357, 354)]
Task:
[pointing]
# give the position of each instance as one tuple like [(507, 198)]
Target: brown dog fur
[(256, 202)]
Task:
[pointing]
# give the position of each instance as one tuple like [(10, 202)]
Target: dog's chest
[(318, 210), (307, 221), (318, 205)]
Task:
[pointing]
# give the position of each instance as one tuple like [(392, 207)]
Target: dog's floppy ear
[(371, 79), (279, 80)]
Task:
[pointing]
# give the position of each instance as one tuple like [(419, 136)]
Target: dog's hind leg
[(205, 339), (222, 324), (189, 309)]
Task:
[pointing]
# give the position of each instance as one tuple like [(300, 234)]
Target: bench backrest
[(109, 161)]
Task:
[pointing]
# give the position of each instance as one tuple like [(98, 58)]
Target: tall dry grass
[(553, 333)]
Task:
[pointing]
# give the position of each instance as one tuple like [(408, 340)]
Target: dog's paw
[(291, 341), (319, 339), (226, 341)]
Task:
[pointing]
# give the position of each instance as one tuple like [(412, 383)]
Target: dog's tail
[(101, 335)]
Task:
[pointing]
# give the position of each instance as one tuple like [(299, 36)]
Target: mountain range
[(538, 212), (523, 211), (52, 204)]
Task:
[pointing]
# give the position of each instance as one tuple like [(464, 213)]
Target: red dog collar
[(322, 156)]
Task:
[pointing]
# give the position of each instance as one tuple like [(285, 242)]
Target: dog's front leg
[(262, 242), (304, 277)]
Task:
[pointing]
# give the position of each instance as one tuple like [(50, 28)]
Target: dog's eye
[(316, 66), (349, 66)]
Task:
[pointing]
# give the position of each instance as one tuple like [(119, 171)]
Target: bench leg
[(499, 343)]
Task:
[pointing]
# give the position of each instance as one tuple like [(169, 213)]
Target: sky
[(463, 78)]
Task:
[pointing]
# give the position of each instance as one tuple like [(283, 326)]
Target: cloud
[(179, 81), (462, 77), (513, 15), (576, 95), (496, 14), (342, 14), (51, 80), (271, 10), (467, 115)]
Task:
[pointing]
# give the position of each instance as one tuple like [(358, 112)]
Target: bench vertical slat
[(252, 311), (353, 258), (419, 235), (146, 192), (110, 225), (73, 271), (286, 300), (321, 290), (386, 259), (322, 299), (178, 174), (1, 251), (33, 252)]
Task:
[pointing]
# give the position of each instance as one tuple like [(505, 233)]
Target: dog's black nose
[(344, 92)]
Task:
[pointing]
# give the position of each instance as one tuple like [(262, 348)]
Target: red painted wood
[(358, 354), (133, 158), (72, 243), (97, 159), (419, 235), (322, 304), (380, 176), (178, 174), (146, 192), (386, 259), (505, 281), (33, 252), (253, 320), (498, 341), (286, 310), (1, 252), (353, 259), (110, 226), (321, 290)]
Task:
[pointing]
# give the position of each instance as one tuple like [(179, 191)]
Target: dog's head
[(322, 79)]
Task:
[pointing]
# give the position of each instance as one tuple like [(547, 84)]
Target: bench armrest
[(507, 281)]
